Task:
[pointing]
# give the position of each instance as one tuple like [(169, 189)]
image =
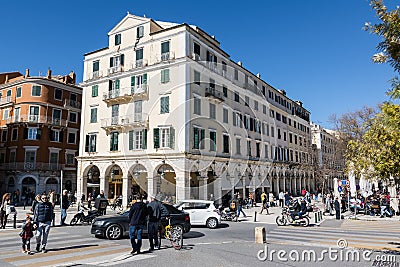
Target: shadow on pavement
[(193, 234), (72, 247)]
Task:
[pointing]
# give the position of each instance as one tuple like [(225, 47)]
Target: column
[(244, 187), (335, 187), (232, 179), (218, 190), (277, 186), (203, 190), (295, 184), (284, 183), (126, 190), (151, 186), (104, 186), (182, 186), (290, 189)]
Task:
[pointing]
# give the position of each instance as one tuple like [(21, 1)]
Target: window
[(36, 90), (213, 140), (96, 66), (212, 111), (264, 109), (238, 150), (272, 113), (225, 115), (55, 135), (284, 136), (165, 76), (14, 135), (4, 136), (255, 105), (237, 97), (114, 141), (290, 138), (225, 143), (93, 115), (137, 140), (30, 156), (279, 133), (19, 91), (248, 148), (164, 104), (246, 101), (198, 138), (73, 117), (117, 61), (197, 106), (90, 145), (139, 32), (71, 138), (32, 133), (196, 78), (258, 152), (53, 158), (196, 49), (164, 137), (224, 68), (70, 159), (266, 151), (95, 90), (56, 116), (236, 74), (225, 91), (165, 55), (5, 114), (13, 156), (117, 39), (58, 94), (278, 116), (272, 131)]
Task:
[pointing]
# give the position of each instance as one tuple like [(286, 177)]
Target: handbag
[(8, 209), (21, 234)]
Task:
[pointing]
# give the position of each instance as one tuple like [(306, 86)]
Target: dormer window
[(118, 39)]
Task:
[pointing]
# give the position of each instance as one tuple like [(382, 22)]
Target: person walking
[(6, 199), (240, 203), (264, 204), (27, 234), (328, 204), (281, 199), (155, 210), (287, 198), (64, 206), (336, 205), (42, 218), (89, 201), (137, 220), (34, 203)]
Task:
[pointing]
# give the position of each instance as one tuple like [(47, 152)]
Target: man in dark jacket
[(43, 215), (64, 206), (336, 205), (155, 210), (137, 218)]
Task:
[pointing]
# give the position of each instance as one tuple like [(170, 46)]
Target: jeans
[(152, 229), (63, 216), (240, 209), (3, 219), (42, 232), (135, 232)]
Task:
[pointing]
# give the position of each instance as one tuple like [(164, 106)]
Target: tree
[(389, 47)]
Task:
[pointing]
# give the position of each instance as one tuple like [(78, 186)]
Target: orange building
[(39, 132)]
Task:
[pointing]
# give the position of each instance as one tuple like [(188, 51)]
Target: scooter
[(227, 214), (81, 217), (285, 219)]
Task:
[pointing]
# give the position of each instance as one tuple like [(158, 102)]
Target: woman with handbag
[(5, 201)]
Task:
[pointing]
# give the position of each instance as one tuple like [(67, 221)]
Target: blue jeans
[(152, 229), (135, 232), (240, 210), (63, 215)]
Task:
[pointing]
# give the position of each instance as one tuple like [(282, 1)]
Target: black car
[(117, 225)]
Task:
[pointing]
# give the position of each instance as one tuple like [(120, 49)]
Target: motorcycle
[(81, 217), (227, 215), (117, 204), (285, 219)]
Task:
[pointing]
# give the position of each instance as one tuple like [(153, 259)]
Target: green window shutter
[(171, 137), (111, 62), (87, 143), (133, 81), (195, 138), (144, 143), (162, 76), (111, 142), (130, 140), (145, 78), (117, 84), (95, 90), (202, 136), (166, 75), (122, 59), (156, 137)]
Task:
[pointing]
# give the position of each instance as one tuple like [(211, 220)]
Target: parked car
[(117, 225), (202, 212)]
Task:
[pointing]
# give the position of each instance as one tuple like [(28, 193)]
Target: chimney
[(298, 102), (239, 63), (49, 73), (26, 73), (258, 75), (6, 81)]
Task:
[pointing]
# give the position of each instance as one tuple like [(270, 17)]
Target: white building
[(165, 111)]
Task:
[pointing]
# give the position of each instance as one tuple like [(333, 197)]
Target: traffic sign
[(340, 189), (344, 182)]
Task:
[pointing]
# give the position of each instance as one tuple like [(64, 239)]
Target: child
[(27, 234)]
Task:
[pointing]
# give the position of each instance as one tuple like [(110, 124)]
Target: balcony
[(7, 100), (37, 119), (126, 94), (72, 104), (167, 56), (31, 166), (125, 123), (115, 69), (214, 93), (95, 75)]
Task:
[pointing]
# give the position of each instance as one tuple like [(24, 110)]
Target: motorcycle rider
[(300, 209)]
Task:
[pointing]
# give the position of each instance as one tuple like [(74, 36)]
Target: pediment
[(129, 21)]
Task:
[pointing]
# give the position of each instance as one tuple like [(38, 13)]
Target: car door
[(189, 207), (201, 213)]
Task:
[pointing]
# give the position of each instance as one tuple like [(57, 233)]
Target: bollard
[(260, 235), (24, 204), (315, 217), (255, 216), (15, 220)]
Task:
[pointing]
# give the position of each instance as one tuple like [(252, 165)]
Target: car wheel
[(113, 232), (212, 223)]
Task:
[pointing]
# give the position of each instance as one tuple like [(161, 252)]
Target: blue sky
[(316, 50)]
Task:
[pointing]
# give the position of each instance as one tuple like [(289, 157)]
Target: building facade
[(328, 157), (39, 120), (167, 112)]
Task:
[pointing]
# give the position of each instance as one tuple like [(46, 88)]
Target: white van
[(201, 212)]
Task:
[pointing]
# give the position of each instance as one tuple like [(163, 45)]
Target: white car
[(201, 212)]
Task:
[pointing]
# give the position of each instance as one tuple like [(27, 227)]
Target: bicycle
[(173, 233)]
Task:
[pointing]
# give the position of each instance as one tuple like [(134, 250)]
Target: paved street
[(230, 245)]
